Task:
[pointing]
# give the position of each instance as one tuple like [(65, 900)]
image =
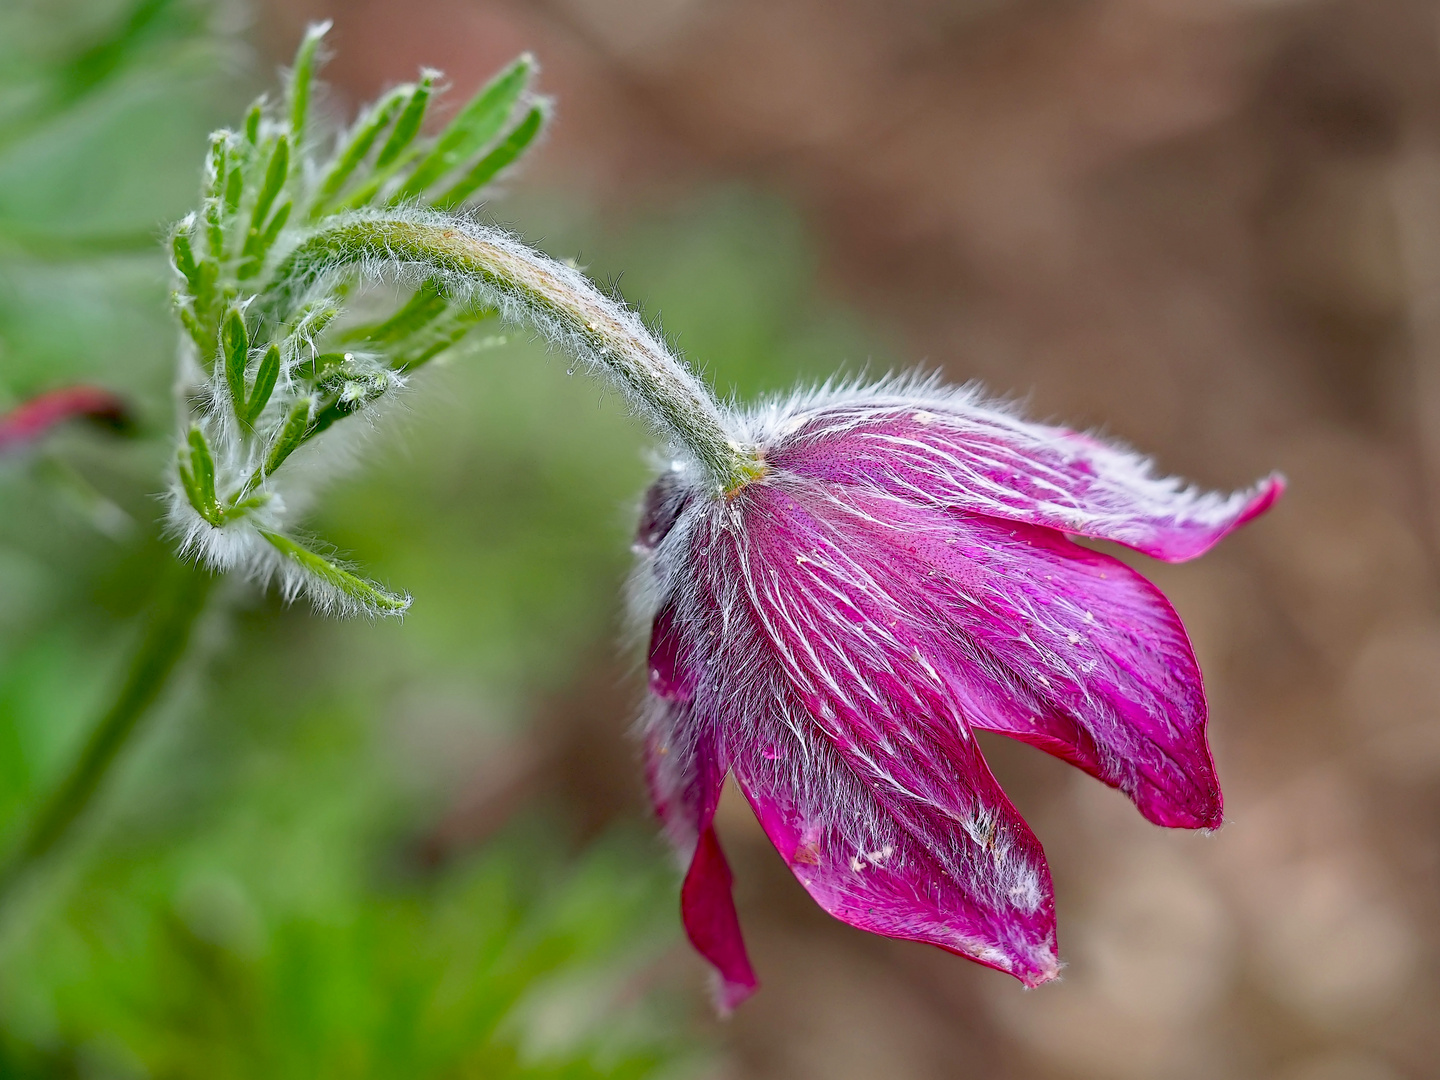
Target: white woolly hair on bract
[(239, 546)]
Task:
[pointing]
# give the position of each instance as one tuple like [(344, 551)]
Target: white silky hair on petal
[(756, 701), (754, 692), (1125, 477)]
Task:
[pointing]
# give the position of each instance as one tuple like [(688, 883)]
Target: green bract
[(276, 363), (260, 385)]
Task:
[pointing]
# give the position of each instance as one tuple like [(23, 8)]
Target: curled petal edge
[(707, 908), (954, 450)]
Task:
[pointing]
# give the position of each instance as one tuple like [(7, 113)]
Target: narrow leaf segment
[(365, 595)]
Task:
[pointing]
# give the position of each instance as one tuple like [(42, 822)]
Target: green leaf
[(193, 493), (265, 378), (473, 127), (331, 413), (185, 259), (214, 228), (274, 181), (191, 323), (252, 124), (261, 236), (365, 595), (408, 126), (358, 144), (302, 77), (215, 171), (347, 388), (199, 479), (272, 230), (320, 365), (312, 320), (434, 349), (234, 186), (486, 169), (291, 435), (428, 304), (205, 289), (242, 506), (258, 244), (393, 154), (235, 343)]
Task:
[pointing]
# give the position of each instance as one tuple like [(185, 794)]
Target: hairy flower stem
[(489, 265), (160, 650)]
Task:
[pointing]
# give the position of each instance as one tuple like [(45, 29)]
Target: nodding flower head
[(834, 632)]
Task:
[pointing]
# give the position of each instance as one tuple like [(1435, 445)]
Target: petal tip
[(1040, 967), (1214, 821), (730, 993), (1189, 541), (1267, 493), (707, 911), (1208, 816)]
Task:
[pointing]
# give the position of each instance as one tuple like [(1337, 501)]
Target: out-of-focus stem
[(1416, 200), (160, 651)]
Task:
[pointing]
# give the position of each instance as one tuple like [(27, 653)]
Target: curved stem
[(559, 301), (154, 662)]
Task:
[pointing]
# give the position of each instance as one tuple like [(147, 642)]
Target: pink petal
[(29, 421), (860, 767), (951, 450), (1101, 674), (1041, 639), (957, 869), (707, 908), (685, 769), (684, 765)]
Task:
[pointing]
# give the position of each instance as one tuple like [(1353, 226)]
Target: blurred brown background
[(1211, 227)]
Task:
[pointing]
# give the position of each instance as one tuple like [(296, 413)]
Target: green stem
[(489, 266), (154, 662)]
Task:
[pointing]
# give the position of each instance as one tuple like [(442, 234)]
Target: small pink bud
[(29, 421)]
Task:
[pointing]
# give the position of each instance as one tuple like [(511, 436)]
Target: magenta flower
[(30, 420), (901, 574)]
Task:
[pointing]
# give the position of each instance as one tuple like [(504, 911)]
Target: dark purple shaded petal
[(684, 770), (707, 908), (683, 765), (664, 501), (952, 451), (863, 772), (670, 678), (1036, 637), (29, 421)]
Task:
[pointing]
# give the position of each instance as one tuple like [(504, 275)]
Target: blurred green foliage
[(245, 901)]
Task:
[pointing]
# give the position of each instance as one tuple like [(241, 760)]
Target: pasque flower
[(901, 574), (842, 586)]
